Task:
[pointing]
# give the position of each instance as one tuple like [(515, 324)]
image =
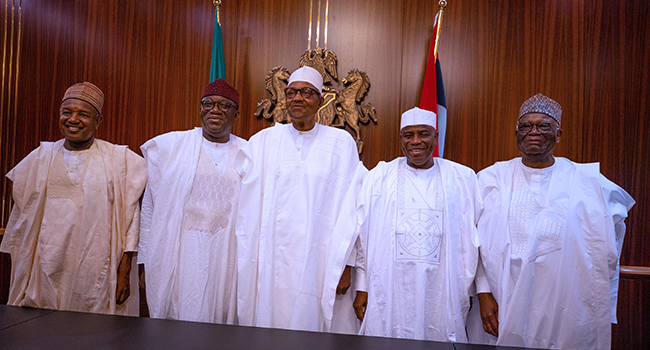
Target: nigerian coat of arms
[(343, 108)]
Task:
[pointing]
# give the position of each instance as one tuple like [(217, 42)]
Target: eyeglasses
[(526, 128), (223, 105), (305, 92)]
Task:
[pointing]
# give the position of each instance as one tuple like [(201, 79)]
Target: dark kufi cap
[(541, 104), (221, 87), (87, 92)]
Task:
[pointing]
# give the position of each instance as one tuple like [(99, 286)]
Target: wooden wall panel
[(631, 332), (372, 28), (495, 55), (151, 58), (254, 45), (616, 108)]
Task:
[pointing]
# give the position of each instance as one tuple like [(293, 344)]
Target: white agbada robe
[(76, 213), (418, 249), (187, 241), (550, 244), (295, 224)]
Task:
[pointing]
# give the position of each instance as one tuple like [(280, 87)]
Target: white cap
[(416, 116), (308, 75)]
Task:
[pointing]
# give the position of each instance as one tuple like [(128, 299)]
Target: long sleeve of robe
[(557, 289), (417, 298), (295, 227), (66, 249)]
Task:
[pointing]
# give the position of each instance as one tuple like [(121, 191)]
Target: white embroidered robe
[(418, 249), (187, 242), (550, 245)]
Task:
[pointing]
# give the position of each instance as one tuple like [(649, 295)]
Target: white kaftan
[(418, 249), (295, 224), (550, 247), (187, 241), (70, 226)]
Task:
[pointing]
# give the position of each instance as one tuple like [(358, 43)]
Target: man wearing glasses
[(187, 241), (550, 241), (296, 215)]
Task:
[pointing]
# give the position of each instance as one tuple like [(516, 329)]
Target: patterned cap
[(221, 87), (87, 92), (541, 104)]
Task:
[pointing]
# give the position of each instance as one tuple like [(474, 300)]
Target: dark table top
[(25, 328), (11, 316)]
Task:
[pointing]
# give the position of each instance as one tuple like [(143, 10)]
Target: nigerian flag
[(218, 63)]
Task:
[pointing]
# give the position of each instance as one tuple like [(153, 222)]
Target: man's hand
[(345, 281), (359, 304), (123, 284), (142, 281), (489, 313)]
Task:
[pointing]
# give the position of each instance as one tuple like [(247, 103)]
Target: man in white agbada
[(418, 244), (551, 237), (296, 215), (73, 229), (187, 242)]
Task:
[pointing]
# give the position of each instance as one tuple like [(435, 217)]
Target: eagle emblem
[(342, 108)]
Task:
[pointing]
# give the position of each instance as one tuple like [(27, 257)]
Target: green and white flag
[(218, 62)]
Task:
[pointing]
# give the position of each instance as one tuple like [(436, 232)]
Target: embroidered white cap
[(541, 104), (308, 75), (417, 116)]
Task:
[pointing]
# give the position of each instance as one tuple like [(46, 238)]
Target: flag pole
[(441, 4), (218, 60), (217, 6)]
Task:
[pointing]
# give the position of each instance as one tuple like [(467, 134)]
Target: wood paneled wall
[(151, 58)]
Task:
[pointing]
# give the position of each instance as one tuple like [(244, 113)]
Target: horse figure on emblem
[(356, 88), (340, 108), (275, 109)]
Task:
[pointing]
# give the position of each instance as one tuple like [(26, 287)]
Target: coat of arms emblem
[(343, 108)]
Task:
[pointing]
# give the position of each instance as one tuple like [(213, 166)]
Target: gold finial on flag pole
[(327, 10), (217, 5), (318, 26), (311, 9), (441, 4)]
